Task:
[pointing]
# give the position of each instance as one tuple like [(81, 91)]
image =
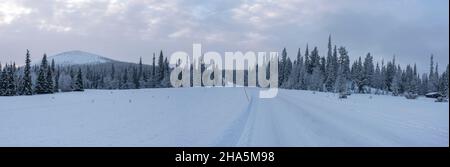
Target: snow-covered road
[(220, 117)]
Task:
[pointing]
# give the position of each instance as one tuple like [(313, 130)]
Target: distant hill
[(79, 58)]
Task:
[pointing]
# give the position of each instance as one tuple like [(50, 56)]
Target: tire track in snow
[(232, 135)]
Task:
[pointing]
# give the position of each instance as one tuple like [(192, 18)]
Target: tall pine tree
[(27, 84), (41, 83)]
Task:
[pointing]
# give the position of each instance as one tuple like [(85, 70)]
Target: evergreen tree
[(331, 64), (357, 74), (395, 87), (315, 59), (136, 78), (160, 74), (165, 83), (287, 69), (53, 66), (113, 71), (377, 79), (343, 72), (424, 84), (78, 86), (140, 72), (153, 66), (3, 82), (49, 77), (307, 61), (344, 62), (27, 84), (10, 83), (281, 67), (294, 77), (124, 82), (341, 81), (56, 87), (444, 82), (432, 77), (390, 73), (369, 70), (41, 83)]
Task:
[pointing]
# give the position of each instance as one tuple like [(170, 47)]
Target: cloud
[(411, 29), (52, 27), (10, 11), (180, 33)]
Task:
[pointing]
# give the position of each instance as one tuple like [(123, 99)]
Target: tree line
[(333, 72), (47, 78)]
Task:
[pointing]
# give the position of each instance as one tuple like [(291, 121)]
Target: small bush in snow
[(342, 96), (441, 99), (411, 96)]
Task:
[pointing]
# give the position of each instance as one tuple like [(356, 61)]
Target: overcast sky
[(127, 30)]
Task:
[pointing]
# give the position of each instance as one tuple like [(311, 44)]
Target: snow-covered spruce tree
[(10, 83), (27, 84), (357, 75), (316, 79), (323, 72), (391, 71), (436, 77), (396, 81), (113, 71), (424, 84), (3, 83), (281, 67), (78, 86), (293, 79), (316, 76), (443, 83), (315, 59), (49, 78), (72, 78), (153, 74), (287, 69), (377, 79), (331, 64), (52, 67), (432, 80), (140, 72), (160, 73), (135, 77), (408, 80), (165, 83), (57, 75), (121, 78), (369, 71), (301, 72), (418, 80), (341, 81), (41, 83), (446, 75), (343, 71)]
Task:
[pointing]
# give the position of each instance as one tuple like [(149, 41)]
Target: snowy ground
[(220, 117)]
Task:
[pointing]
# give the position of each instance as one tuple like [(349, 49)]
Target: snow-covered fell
[(78, 57)]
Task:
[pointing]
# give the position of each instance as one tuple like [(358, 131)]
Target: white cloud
[(180, 33), (116, 7), (129, 25), (10, 11), (52, 27), (268, 13)]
